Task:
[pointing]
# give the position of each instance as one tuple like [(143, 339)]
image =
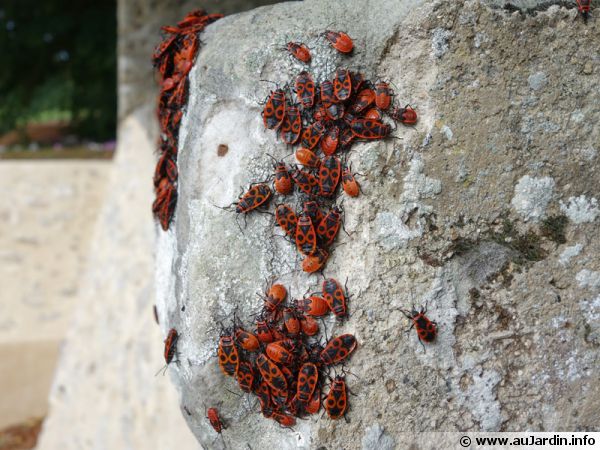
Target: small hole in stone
[(222, 149)]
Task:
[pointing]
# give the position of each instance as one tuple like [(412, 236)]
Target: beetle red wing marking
[(228, 356), (274, 110)]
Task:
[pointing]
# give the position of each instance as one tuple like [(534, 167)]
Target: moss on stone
[(554, 228)]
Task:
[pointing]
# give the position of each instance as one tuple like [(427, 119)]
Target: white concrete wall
[(105, 381), (47, 213)]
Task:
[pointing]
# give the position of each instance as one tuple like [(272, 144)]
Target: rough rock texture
[(502, 96)]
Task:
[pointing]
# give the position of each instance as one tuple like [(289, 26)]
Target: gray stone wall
[(486, 211)]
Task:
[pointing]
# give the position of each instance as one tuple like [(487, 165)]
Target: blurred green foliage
[(59, 63)]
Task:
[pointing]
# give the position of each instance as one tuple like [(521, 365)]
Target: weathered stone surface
[(436, 224), (376, 438)]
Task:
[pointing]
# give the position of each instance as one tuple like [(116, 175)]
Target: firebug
[(357, 79), (312, 134), (276, 294), (309, 325), (363, 100), (336, 402), (406, 115), (294, 406), (338, 349), (346, 137), (163, 48), (312, 209), (426, 329), (308, 376), (374, 114), (339, 40), (286, 218), (291, 126), (313, 305), (306, 239), (584, 7), (320, 113), (166, 167), (305, 89), (213, 417), (315, 262), (287, 373), (342, 84), (246, 340), (299, 51), (274, 110), (329, 175), (270, 373), (327, 93), (383, 95), (333, 109), (306, 181), (333, 293), (349, 183), (284, 419), (229, 360), (256, 196), (264, 332), (278, 333), (171, 345), (245, 376), (330, 141), (165, 202), (291, 321), (276, 352), (307, 157), (313, 406), (314, 354), (328, 228), (279, 398), (370, 129), (283, 181)]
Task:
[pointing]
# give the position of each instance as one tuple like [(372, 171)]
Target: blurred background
[(78, 343)]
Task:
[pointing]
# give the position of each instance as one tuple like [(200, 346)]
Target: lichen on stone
[(532, 196), (580, 209)]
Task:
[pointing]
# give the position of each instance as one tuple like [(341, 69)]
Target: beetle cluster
[(324, 120), (311, 230), (311, 241), (281, 361), (334, 113), (173, 58)]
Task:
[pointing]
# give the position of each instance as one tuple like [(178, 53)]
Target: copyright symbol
[(465, 441)]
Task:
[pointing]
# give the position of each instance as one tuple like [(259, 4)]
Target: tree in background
[(59, 63)]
